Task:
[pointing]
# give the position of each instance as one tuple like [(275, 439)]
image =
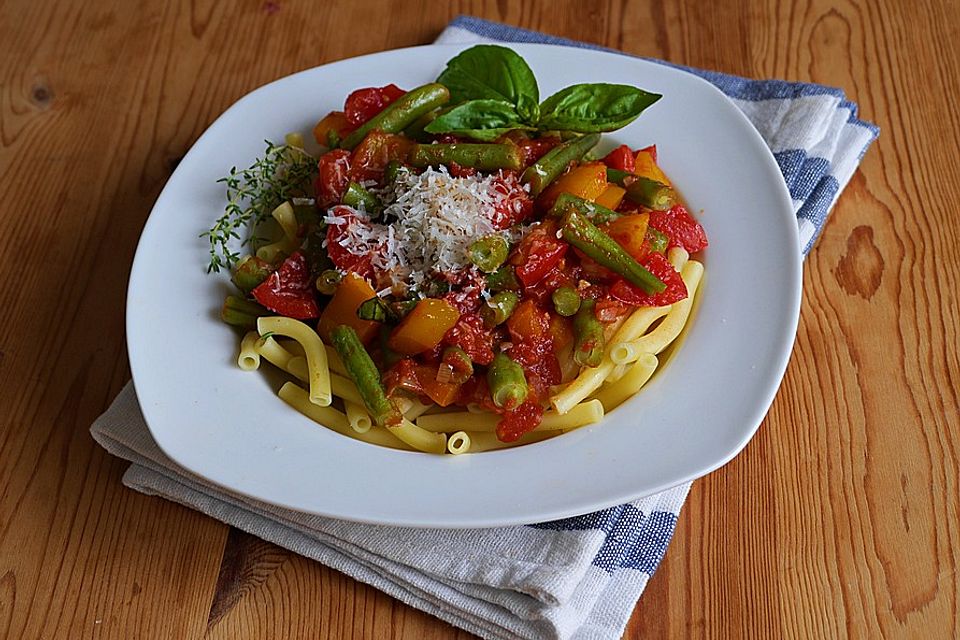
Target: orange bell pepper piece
[(442, 393), (342, 309), (587, 181), (647, 167), (423, 328), (611, 196)]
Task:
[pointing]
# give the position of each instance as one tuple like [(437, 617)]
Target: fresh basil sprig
[(498, 92)]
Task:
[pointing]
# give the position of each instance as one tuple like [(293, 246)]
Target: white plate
[(228, 425)]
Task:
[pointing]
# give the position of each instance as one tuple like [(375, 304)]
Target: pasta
[(458, 297), (249, 359), (318, 372)]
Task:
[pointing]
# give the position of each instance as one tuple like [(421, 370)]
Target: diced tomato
[(533, 150), (333, 177), (538, 253), (515, 205), (659, 266), (621, 158), (610, 310), (682, 229), (529, 327), (471, 335), (343, 259), (519, 421), (363, 104), (402, 376), (289, 290), (374, 152)]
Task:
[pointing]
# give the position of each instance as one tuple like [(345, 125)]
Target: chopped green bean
[(588, 343), (622, 178), (328, 281), (333, 138), (596, 213), (416, 130), (401, 113), (651, 193), (489, 252), (503, 279), (604, 250), (374, 309), (392, 171), (365, 375), (461, 366), (485, 157), (250, 272), (359, 198), (566, 300), (499, 307), (508, 386), (550, 166), (241, 312)]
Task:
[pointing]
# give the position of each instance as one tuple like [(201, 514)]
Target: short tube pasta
[(583, 414), (418, 438), (488, 441), (357, 416), (317, 367), (458, 443), (335, 420), (668, 330), (613, 394), (249, 359)]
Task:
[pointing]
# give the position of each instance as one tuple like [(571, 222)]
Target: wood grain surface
[(839, 519)]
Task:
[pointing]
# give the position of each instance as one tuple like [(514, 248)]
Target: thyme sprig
[(284, 172)]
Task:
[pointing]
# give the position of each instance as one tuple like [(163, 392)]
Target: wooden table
[(840, 517)]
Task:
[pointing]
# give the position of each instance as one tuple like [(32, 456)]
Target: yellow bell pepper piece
[(342, 309), (647, 168), (611, 196), (423, 328), (587, 181)]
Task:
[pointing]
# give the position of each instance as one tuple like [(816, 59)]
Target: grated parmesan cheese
[(435, 218)]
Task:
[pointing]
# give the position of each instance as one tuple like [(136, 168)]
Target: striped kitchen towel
[(574, 578)]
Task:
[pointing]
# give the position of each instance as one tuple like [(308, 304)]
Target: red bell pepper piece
[(659, 266), (682, 228), (538, 253), (333, 177), (621, 158), (289, 290), (363, 104)]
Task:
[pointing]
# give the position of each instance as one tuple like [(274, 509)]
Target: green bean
[(374, 309), (401, 113), (566, 300), (328, 281), (485, 157), (392, 171), (622, 178), (499, 307), (658, 240), (249, 273), (651, 193), (588, 343), (365, 375), (550, 166), (358, 197), (416, 130), (333, 139), (489, 252), (461, 366), (605, 251), (508, 386), (597, 213), (241, 312), (503, 279)]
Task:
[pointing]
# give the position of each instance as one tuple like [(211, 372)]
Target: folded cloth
[(574, 578)]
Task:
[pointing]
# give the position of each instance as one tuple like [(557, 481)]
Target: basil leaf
[(490, 72), (483, 120), (587, 108)]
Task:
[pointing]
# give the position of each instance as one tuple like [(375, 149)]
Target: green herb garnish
[(284, 172)]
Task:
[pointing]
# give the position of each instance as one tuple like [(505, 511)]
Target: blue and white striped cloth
[(574, 578)]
